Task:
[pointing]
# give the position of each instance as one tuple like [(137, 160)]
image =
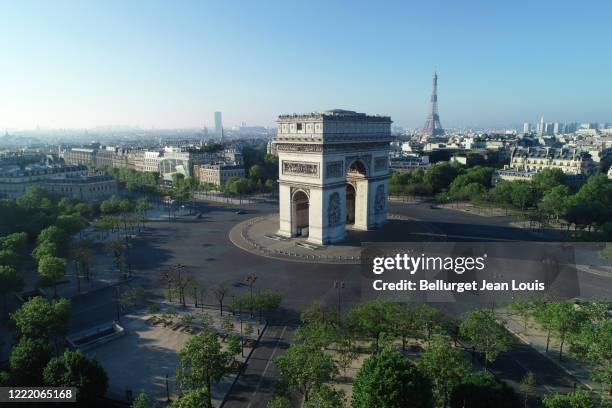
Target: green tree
[(598, 188), (54, 235), (482, 390), (523, 194), (320, 327), (440, 175), (143, 400), (279, 401), (502, 194), (593, 343), (547, 179), (565, 321), (577, 399), (74, 369), (10, 282), (388, 379), (36, 198), (257, 172), (71, 223), (527, 387), (52, 269), (8, 257), (445, 366), (40, 319), (266, 301), (14, 242), (485, 333), (327, 397), (110, 205), (372, 319), (143, 206), (84, 210), (233, 344), (43, 250), (544, 317), (304, 369), (347, 352), (28, 359), (555, 201), (587, 214), (196, 398), (65, 205), (524, 309), (201, 363)]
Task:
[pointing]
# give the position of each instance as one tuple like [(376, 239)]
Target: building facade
[(88, 187), (64, 180), (217, 174), (577, 165)]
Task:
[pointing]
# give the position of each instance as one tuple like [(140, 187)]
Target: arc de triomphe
[(333, 173)]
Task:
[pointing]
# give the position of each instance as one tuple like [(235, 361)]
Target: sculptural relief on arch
[(333, 173)]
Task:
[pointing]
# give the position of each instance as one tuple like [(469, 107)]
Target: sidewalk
[(536, 338)]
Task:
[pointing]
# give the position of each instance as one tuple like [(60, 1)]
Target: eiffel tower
[(432, 125)]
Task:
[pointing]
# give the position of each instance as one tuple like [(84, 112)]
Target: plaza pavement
[(204, 247)]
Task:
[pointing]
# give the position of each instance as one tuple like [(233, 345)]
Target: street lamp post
[(118, 304), (167, 389), (251, 280), (339, 285), (241, 336)]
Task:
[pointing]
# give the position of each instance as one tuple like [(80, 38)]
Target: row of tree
[(441, 376), (547, 196), (140, 181), (585, 327), (261, 172), (45, 218), (36, 360)]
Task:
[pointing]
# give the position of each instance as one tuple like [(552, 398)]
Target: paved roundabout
[(258, 236)]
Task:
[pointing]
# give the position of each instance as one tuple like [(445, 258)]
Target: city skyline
[(154, 65)]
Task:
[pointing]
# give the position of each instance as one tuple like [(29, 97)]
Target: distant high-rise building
[(558, 128), (432, 125), (549, 129), (526, 127), (218, 124), (541, 127)]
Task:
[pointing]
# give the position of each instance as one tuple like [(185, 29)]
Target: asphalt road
[(203, 246), (255, 386)]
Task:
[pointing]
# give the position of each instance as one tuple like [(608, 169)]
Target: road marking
[(267, 365)]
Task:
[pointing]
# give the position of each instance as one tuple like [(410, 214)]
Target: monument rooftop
[(333, 126)]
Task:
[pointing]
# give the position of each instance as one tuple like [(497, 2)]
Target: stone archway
[(300, 204), (357, 194), (338, 160), (350, 204)]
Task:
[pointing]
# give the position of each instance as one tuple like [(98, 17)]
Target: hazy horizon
[(157, 64)]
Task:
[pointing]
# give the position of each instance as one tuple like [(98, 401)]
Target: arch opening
[(300, 208)]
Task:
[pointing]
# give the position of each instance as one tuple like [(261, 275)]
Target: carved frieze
[(302, 148), (381, 163), (305, 169), (380, 199), (334, 169), (333, 210)]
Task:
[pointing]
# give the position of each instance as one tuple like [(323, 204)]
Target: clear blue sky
[(172, 64)]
